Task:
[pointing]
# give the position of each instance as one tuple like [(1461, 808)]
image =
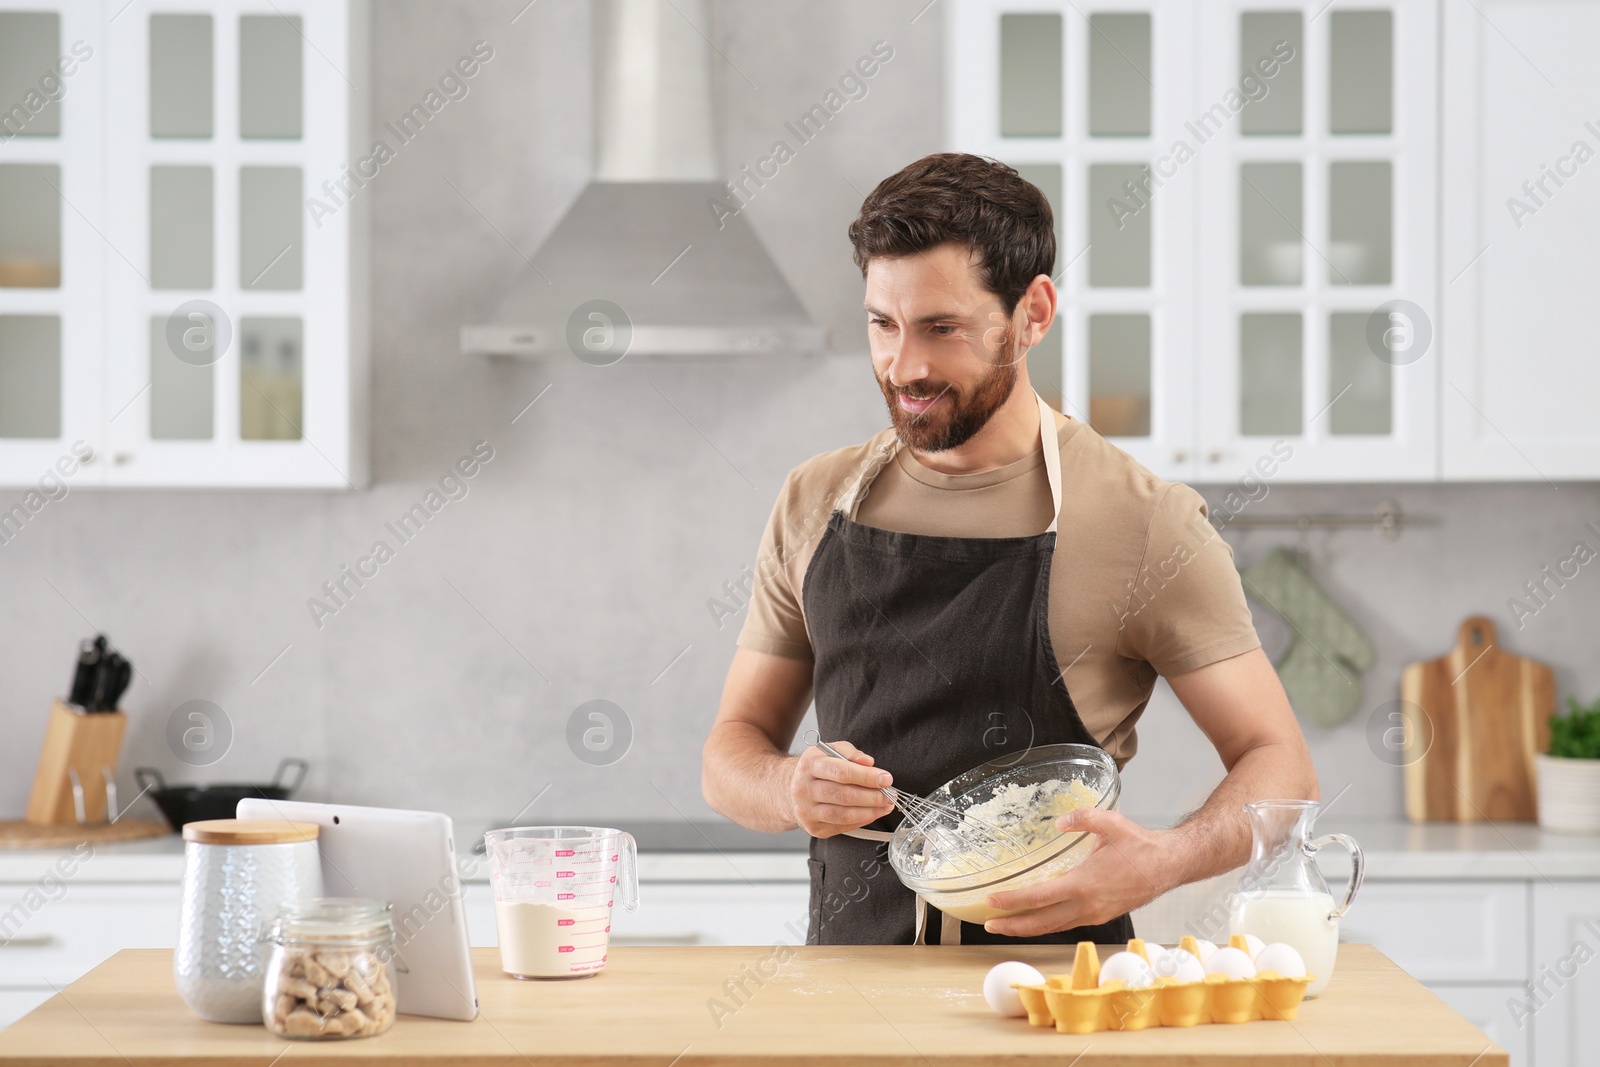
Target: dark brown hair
[(972, 200)]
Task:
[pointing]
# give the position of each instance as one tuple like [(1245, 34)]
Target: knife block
[(81, 741)]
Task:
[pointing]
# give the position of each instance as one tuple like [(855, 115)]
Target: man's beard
[(963, 413)]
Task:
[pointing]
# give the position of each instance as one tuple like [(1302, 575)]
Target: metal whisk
[(953, 836)]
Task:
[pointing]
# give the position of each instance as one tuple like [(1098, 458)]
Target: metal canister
[(237, 873)]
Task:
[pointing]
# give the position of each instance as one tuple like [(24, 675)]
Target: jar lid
[(249, 831), (326, 920)]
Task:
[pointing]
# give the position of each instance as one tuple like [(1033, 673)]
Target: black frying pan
[(192, 803)]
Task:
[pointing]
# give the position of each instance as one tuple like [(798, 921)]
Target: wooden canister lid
[(249, 831)]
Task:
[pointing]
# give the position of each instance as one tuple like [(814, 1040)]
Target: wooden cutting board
[(20, 834), (1474, 718)]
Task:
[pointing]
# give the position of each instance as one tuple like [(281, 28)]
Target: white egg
[(1181, 965), (1253, 945), (1283, 958), (1154, 953), (997, 986), (1206, 949), (1129, 968), (1231, 963)]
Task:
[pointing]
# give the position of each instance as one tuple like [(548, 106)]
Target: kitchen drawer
[(61, 939), (1488, 1008), (686, 913), (1566, 979), (1455, 932)]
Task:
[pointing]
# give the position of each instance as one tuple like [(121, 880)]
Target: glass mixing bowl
[(963, 893)]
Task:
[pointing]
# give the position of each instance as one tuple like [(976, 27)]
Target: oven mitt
[(1322, 669)]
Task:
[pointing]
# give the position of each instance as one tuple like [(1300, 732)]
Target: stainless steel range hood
[(647, 234)]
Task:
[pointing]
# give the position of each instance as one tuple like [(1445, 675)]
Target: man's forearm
[(1216, 838), (746, 777)]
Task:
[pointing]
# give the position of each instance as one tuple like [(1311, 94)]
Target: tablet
[(409, 859)]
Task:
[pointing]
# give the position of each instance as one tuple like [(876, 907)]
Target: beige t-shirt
[(1141, 583)]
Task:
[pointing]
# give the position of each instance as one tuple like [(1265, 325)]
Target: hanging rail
[(1387, 521)]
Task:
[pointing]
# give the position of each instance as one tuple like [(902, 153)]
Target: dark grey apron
[(933, 654)]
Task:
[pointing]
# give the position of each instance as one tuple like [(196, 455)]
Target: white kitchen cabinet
[(686, 913), (1565, 979), (1486, 1008), (1520, 960), (1521, 199), (45, 946), (211, 293), (1081, 104), (56, 943), (726, 913), (1317, 239), (52, 162), (1241, 195), (1445, 931)]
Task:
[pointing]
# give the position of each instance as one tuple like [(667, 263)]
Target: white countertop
[(1395, 851), (161, 860)]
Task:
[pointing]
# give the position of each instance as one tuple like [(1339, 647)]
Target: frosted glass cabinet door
[(1521, 317), (1318, 277), (1030, 75), (235, 341), (1087, 103), (51, 155), (1045, 358), (1128, 292), (1119, 374)]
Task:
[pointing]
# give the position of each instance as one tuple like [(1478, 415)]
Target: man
[(985, 562)]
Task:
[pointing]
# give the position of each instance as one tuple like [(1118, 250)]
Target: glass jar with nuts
[(331, 970)]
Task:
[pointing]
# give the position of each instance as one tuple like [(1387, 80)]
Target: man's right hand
[(830, 796)]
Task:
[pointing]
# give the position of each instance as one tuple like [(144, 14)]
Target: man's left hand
[(1128, 867)]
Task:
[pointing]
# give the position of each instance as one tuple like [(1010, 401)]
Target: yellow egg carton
[(1077, 1003)]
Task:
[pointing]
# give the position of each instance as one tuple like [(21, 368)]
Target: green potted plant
[(1569, 777)]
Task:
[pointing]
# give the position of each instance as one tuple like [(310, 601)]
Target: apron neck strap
[(851, 500), (1052, 459)]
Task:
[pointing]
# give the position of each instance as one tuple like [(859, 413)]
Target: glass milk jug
[(1283, 896)]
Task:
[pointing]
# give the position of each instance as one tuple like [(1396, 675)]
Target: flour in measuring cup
[(547, 940)]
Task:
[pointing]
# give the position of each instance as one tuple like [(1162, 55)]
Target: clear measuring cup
[(554, 889)]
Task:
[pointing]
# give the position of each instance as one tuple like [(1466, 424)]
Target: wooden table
[(880, 1006)]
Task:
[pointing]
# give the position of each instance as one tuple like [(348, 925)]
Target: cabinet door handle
[(662, 939), (36, 941), (122, 457), (1214, 456), (1180, 456)]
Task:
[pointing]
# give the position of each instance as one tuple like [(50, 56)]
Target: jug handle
[(628, 871), (1357, 867)]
